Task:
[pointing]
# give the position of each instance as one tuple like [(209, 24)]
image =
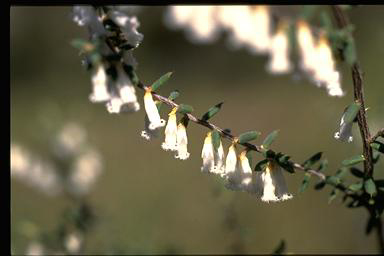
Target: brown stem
[(358, 90)]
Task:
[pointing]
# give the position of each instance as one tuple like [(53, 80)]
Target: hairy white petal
[(182, 142), (152, 112)]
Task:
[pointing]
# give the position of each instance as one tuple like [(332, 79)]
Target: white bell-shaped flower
[(127, 92), (170, 142), (233, 171), (207, 154), (274, 186), (246, 170), (219, 166), (152, 111), (345, 132), (182, 142), (307, 46)]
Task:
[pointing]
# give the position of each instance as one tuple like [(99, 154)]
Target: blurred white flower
[(182, 142), (20, 161), (207, 154), (274, 185), (307, 46), (86, 169), (279, 53), (345, 131), (70, 139), (152, 111), (73, 243), (127, 92), (170, 141), (128, 26), (33, 171), (114, 105), (260, 35), (100, 87), (35, 248)]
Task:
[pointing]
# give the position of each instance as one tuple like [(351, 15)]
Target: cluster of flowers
[(69, 146), (111, 82), (236, 170), (251, 26)]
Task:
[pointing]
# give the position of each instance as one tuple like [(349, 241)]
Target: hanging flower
[(260, 36), (274, 187), (182, 142), (245, 169), (152, 111), (170, 142), (127, 92), (100, 89), (345, 132), (207, 154), (279, 60), (147, 133), (233, 171), (219, 167)]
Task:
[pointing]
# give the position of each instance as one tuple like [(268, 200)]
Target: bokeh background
[(148, 202)]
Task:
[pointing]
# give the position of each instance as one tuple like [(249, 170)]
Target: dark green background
[(149, 202)]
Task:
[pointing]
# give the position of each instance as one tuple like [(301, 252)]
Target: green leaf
[(304, 183), (333, 180), (350, 51), (288, 166), (212, 111), (283, 158), (341, 172), (184, 109), (356, 187), (248, 136), (269, 139), (370, 187), (333, 195), (215, 139), (312, 160), (159, 82), (173, 95), (378, 146), (260, 166), (353, 160), (356, 172), (323, 165), (351, 112), (320, 185), (376, 156)]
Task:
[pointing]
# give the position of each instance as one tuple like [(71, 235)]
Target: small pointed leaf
[(323, 165), (159, 82), (356, 172), (174, 95), (370, 187), (212, 111), (184, 109), (312, 160), (333, 195), (378, 146), (260, 166), (248, 136), (304, 183), (353, 160), (320, 185), (356, 187), (269, 139)]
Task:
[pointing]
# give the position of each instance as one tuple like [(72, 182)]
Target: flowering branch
[(357, 76)]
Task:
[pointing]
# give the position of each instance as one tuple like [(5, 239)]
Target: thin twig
[(380, 133)]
